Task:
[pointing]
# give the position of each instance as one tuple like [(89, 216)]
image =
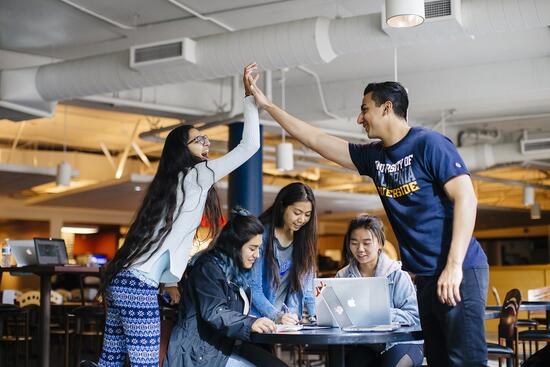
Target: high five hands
[(251, 76)]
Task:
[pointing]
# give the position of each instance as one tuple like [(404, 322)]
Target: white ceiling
[(494, 72), (490, 70)]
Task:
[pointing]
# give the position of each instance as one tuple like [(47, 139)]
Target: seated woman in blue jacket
[(282, 278), (362, 249), (213, 313)]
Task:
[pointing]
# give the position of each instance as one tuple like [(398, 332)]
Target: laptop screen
[(50, 251), (23, 252)]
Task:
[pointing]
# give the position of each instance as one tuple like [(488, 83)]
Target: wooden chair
[(507, 331), (529, 323), (67, 296), (86, 320), (29, 298), (538, 335), (496, 295), (14, 328)]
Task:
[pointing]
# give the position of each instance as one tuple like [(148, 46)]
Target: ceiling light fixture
[(285, 151), (64, 170), (535, 211), (528, 195), (404, 13), (80, 229)]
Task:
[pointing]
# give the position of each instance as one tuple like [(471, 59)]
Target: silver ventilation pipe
[(32, 92)]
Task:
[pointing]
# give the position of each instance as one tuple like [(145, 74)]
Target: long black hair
[(226, 248), (368, 222), (160, 202), (304, 248)]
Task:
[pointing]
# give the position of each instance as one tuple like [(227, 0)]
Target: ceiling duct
[(32, 92), (163, 54), (435, 9), (484, 156), (534, 146)]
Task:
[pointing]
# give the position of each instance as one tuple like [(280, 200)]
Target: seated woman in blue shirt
[(282, 277), (214, 311), (362, 249)]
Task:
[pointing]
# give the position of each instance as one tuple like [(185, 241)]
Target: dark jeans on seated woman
[(247, 355), (400, 355)]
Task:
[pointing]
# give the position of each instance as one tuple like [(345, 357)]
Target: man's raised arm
[(330, 147)]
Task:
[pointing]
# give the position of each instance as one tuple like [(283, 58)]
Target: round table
[(336, 339)]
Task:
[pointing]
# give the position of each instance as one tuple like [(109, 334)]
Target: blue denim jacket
[(263, 292)]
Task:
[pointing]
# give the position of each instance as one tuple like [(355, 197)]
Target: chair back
[(29, 298), (509, 315), (538, 294), (67, 296), (56, 298), (33, 298), (496, 295)]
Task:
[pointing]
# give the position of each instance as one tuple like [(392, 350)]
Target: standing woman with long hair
[(159, 241), (282, 277)]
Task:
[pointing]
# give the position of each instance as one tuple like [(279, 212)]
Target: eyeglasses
[(201, 139)]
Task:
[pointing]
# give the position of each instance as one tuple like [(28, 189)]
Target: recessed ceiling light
[(404, 13), (80, 229)]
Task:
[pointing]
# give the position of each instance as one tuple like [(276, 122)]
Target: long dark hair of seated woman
[(226, 248), (305, 239)]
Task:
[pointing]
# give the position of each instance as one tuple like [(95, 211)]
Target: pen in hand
[(289, 315)]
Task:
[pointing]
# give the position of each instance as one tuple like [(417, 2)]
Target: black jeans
[(454, 336), (409, 355)]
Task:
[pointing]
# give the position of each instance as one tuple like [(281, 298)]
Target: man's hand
[(448, 284), (248, 70), (264, 325), (250, 85), (174, 294)]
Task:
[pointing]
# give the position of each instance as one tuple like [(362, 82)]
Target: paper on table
[(8, 296), (283, 328)]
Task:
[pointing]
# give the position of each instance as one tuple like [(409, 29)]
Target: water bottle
[(6, 256)]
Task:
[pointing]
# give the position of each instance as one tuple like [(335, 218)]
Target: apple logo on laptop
[(339, 310), (29, 252), (351, 302)]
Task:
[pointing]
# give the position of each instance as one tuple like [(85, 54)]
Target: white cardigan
[(197, 182)]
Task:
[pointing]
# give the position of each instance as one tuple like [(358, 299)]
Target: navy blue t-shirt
[(409, 177)]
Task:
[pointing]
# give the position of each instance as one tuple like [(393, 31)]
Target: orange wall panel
[(101, 243)]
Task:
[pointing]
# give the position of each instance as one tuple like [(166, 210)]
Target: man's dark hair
[(389, 91)]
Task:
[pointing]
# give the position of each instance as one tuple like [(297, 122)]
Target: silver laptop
[(337, 309), (366, 301), (23, 251)]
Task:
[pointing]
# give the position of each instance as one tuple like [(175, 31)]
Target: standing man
[(429, 199)]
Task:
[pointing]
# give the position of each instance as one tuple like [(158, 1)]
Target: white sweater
[(196, 183)]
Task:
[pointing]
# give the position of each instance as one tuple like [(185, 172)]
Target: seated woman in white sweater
[(159, 241)]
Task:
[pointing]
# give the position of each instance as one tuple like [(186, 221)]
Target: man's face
[(371, 117)]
